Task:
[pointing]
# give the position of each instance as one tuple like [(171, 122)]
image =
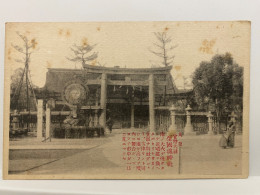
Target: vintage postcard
[(126, 100)]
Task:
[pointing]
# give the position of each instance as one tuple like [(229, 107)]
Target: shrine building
[(131, 97)]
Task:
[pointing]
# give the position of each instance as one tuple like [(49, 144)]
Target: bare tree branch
[(76, 52), (18, 48), (80, 53), (171, 58), (159, 36), (158, 54), (19, 61), (91, 57), (163, 47), (24, 38), (168, 40), (74, 59), (173, 47), (158, 45)]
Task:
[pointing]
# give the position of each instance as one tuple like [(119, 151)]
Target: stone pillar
[(96, 118), (173, 126), (39, 119), (103, 99), (97, 98), (90, 121), (151, 103), (210, 122), (15, 121), (132, 115), (188, 130), (48, 122)]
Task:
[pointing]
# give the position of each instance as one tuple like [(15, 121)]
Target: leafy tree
[(164, 46), (15, 80), (218, 85)]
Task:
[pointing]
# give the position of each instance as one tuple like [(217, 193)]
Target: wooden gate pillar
[(48, 123), (103, 99), (151, 103), (132, 115)]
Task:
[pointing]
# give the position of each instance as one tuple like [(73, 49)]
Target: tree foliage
[(218, 84), (15, 80), (18, 90)]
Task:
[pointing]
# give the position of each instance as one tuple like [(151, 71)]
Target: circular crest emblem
[(75, 93)]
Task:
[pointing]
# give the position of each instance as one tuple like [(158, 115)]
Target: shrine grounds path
[(200, 155)]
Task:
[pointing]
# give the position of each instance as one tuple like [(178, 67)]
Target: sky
[(127, 44)]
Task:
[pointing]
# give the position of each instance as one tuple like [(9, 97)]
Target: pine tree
[(83, 53)]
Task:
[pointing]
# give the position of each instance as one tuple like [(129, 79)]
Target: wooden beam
[(94, 82), (118, 70), (90, 107), (131, 83), (162, 108)]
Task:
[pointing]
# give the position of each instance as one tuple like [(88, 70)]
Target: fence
[(188, 121), (200, 122), (23, 123)]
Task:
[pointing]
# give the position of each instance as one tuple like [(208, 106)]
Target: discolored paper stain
[(68, 33), (244, 22), (98, 28), (236, 36), (207, 46), (49, 65), (94, 63), (34, 43), (84, 41), (64, 32), (60, 32), (177, 68), (9, 51), (9, 54), (166, 29)]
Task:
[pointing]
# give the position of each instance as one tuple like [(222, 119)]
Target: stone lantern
[(173, 126), (188, 130), (210, 122)]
